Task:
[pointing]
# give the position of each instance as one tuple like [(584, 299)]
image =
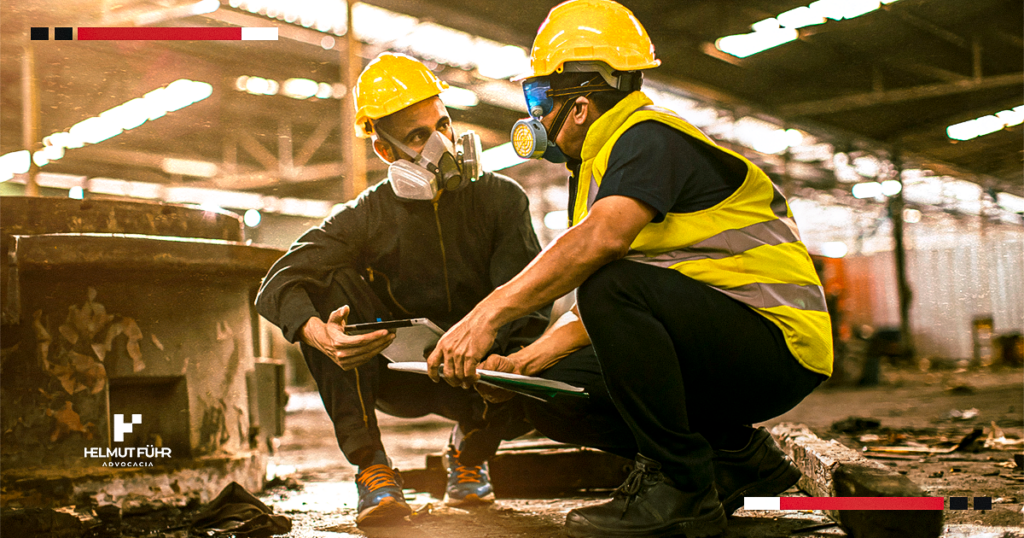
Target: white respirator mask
[(441, 165)]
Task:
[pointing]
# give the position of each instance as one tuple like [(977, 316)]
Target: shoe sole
[(781, 480), (388, 511), (711, 524), (471, 500)]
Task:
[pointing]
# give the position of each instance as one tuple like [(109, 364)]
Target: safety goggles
[(538, 101), (540, 98)]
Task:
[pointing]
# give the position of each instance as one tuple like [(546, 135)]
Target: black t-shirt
[(668, 170)]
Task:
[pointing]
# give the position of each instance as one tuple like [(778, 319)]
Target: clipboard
[(535, 387), (414, 338)]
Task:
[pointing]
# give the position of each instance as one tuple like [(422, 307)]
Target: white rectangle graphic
[(259, 34), (761, 503)]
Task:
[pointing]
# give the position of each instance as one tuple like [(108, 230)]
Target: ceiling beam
[(866, 100), (932, 28)]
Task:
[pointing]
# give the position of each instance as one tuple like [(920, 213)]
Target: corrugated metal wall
[(955, 274)]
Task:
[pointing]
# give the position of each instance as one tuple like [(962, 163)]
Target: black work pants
[(685, 367), (352, 396)]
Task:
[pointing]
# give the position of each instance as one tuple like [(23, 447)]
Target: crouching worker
[(418, 244), (700, 300)]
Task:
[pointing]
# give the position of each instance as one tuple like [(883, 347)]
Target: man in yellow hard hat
[(431, 240), (693, 286)]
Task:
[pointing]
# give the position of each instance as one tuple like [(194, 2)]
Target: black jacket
[(420, 259)]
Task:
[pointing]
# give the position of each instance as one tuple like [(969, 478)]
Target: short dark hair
[(605, 100)]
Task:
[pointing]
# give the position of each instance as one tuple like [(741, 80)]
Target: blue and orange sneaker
[(467, 484), (380, 496)]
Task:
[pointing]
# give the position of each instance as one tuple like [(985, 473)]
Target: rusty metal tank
[(128, 336)]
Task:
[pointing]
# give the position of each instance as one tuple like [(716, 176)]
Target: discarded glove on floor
[(238, 512)]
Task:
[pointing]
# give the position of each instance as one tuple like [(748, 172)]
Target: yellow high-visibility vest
[(747, 246)]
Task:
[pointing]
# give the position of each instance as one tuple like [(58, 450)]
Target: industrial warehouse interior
[(167, 165)]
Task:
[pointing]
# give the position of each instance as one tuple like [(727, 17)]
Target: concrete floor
[(913, 401)]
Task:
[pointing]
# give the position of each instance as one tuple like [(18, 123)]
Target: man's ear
[(581, 108), (384, 150)]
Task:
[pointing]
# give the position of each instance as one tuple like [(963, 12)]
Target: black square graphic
[(983, 503), (63, 33), (39, 33), (958, 503)]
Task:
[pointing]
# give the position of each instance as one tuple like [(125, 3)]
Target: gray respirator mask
[(441, 165)]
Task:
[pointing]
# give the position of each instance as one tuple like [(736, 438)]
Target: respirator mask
[(441, 165), (530, 139)]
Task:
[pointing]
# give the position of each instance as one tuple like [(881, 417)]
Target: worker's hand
[(459, 351), (346, 350), (497, 363)]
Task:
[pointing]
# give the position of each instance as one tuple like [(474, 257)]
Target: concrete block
[(831, 469)]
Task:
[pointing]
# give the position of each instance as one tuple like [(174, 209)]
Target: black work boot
[(648, 504), (761, 469)]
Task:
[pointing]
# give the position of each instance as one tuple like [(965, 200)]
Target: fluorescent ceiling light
[(126, 116), (299, 88), (744, 45), (188, 167), (799, 18), (775, 31), (984, 125), (871, 189), (891, 187)]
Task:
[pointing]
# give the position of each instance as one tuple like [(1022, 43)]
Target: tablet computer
[(414, 338)]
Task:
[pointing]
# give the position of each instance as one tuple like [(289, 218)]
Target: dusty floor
[(909, 406)]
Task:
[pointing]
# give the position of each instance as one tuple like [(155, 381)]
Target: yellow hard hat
[(587, 31), (390, 83)]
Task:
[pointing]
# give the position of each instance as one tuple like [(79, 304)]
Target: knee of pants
[(604, 282)]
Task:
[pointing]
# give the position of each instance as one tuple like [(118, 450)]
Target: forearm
[(561, 339), (560, 268)]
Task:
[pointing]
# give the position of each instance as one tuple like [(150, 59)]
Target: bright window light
[(501, 61), (500, 157), (459, 98), (871, 189), (984, 125), (834, 249), (867, 166), (15, 162), (556, 220), (398, 32), (1010, 202), (76, 193), (911, 215)]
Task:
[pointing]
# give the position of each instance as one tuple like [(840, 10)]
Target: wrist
[(310, 330)]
